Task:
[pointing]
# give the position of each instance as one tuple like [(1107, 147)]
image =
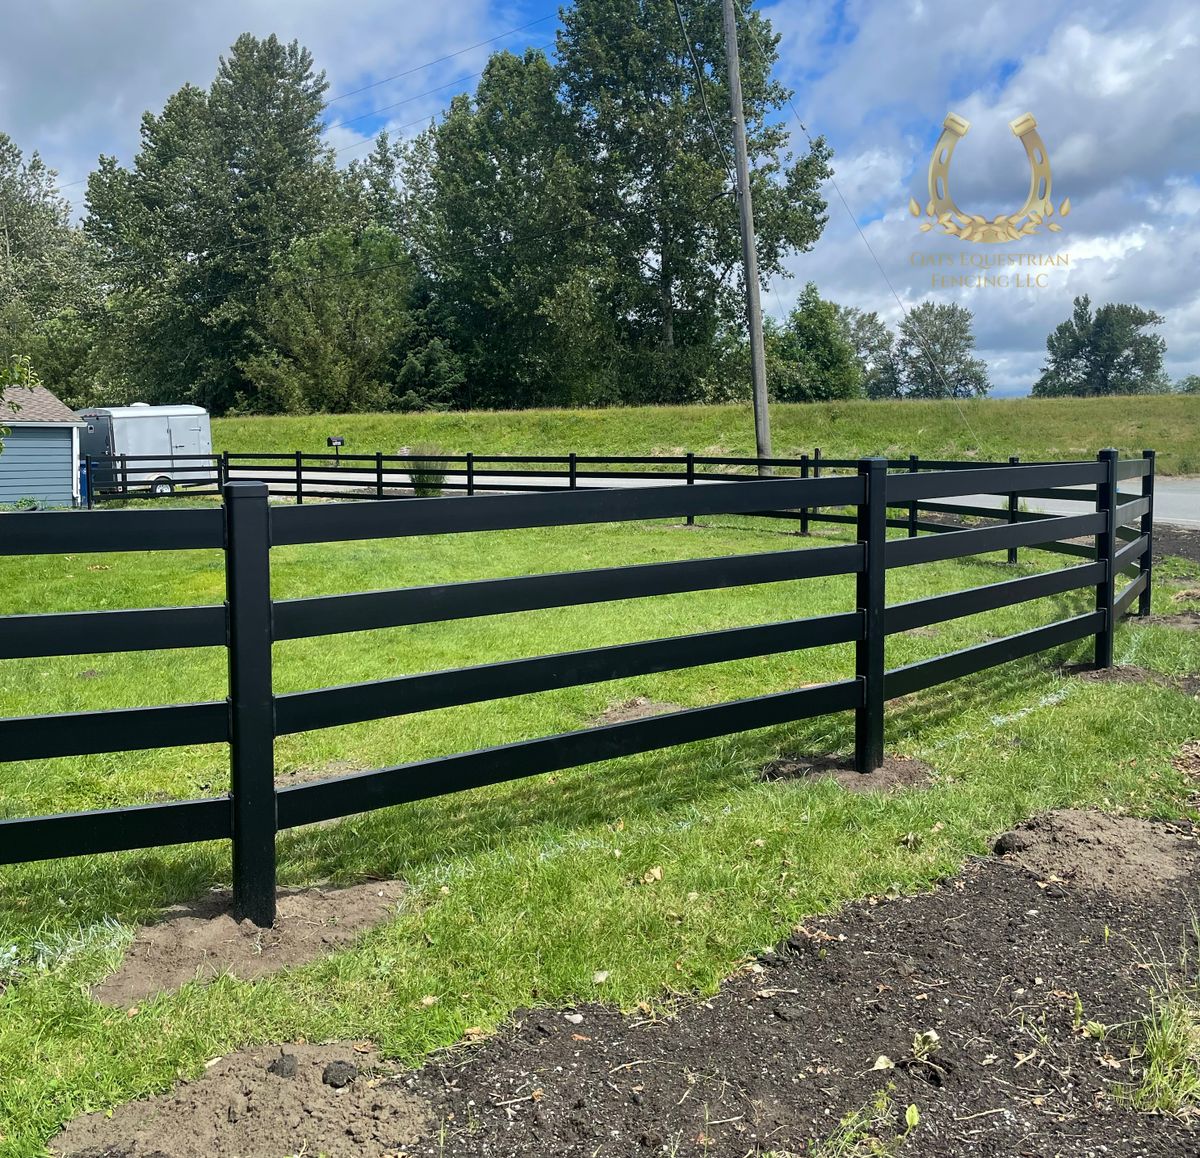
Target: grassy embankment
[(519, 892), (986, 429)]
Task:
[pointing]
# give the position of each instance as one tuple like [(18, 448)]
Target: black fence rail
[(1114, 536)]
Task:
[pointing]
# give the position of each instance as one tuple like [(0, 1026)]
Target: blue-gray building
[(40, 459)]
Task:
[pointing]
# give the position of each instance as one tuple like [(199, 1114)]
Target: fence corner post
[(871, 590), (251, 700), (1106, 542), (1013, 506), (691, 480), (1147, 529)]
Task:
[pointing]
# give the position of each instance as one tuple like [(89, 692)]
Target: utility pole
[(758, 360)]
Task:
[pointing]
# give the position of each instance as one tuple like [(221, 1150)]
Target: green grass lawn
[(987, 429), (517, 892)]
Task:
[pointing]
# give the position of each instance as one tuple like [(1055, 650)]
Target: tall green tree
[(1188, 385), (48, 282), (935, 353), (874, 347), (810, 358), (224, 179), (661, 194), (344, 331), (1110, 351), (496, 203)]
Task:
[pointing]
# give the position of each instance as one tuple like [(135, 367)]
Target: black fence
[(1113, 535)]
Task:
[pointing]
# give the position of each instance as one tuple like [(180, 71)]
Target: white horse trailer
[(157, 441)]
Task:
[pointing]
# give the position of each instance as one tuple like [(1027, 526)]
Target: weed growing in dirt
[(872, 1130), (1169, 1081)]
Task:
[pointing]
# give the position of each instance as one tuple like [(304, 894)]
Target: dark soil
[(337, 1100), (1178, 541), (637, 708), (1189, 685), (204, 940), (1186, 620), (894, 773), (1006, 962), (992, 962)]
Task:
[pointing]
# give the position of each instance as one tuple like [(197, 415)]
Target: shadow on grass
[(410, 841)]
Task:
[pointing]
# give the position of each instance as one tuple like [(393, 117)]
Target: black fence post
[(124, 474), (573, 470), (223, 472), (1147, 529), (871, 584), (379, 474), (251, 704), (804, 510), (691, 480), (299, 478), (1013, 460), (1106, 543), (470, 472), (816, 473), (913, 466), (87, 482)]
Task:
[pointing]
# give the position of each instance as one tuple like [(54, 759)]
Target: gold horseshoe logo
[(1003, 227)]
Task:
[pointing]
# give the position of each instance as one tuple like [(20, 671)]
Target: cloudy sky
[(1112, 86)]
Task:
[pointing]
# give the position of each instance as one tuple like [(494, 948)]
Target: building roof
[(34, 406)]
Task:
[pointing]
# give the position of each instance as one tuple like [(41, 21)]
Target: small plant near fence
[(426, 465)]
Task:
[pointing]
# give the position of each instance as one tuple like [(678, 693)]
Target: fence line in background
[(247, 527)]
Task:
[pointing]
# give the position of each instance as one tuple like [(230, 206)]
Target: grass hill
[(985, 429)]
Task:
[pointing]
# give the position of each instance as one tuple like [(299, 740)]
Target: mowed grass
[(986, 429), (520, 892)]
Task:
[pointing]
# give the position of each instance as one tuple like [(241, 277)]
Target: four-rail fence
[(1113, 537)]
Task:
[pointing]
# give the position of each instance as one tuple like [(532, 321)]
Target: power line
[(440, 59), (687, 40), (418, 96), (854, 219)]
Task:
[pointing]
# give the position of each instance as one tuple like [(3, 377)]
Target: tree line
[(566, 235)]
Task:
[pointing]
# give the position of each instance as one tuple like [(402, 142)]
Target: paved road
[(1176, 500)]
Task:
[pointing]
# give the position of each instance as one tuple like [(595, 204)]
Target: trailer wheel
[(162, 486)]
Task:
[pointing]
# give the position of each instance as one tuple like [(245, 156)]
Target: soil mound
[(1123, 855), (204, 940), (894, 773), (338, 1100)]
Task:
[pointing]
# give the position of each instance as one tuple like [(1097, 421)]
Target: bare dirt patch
[(338, 1100), (1185, 620), (204, 940), (894, 773), (1188, 760), (637, 708), (1181, 542), (1189, 685), (1123, 855), (303, 774)]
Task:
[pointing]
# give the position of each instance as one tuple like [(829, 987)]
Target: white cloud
[(1112, 88)]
